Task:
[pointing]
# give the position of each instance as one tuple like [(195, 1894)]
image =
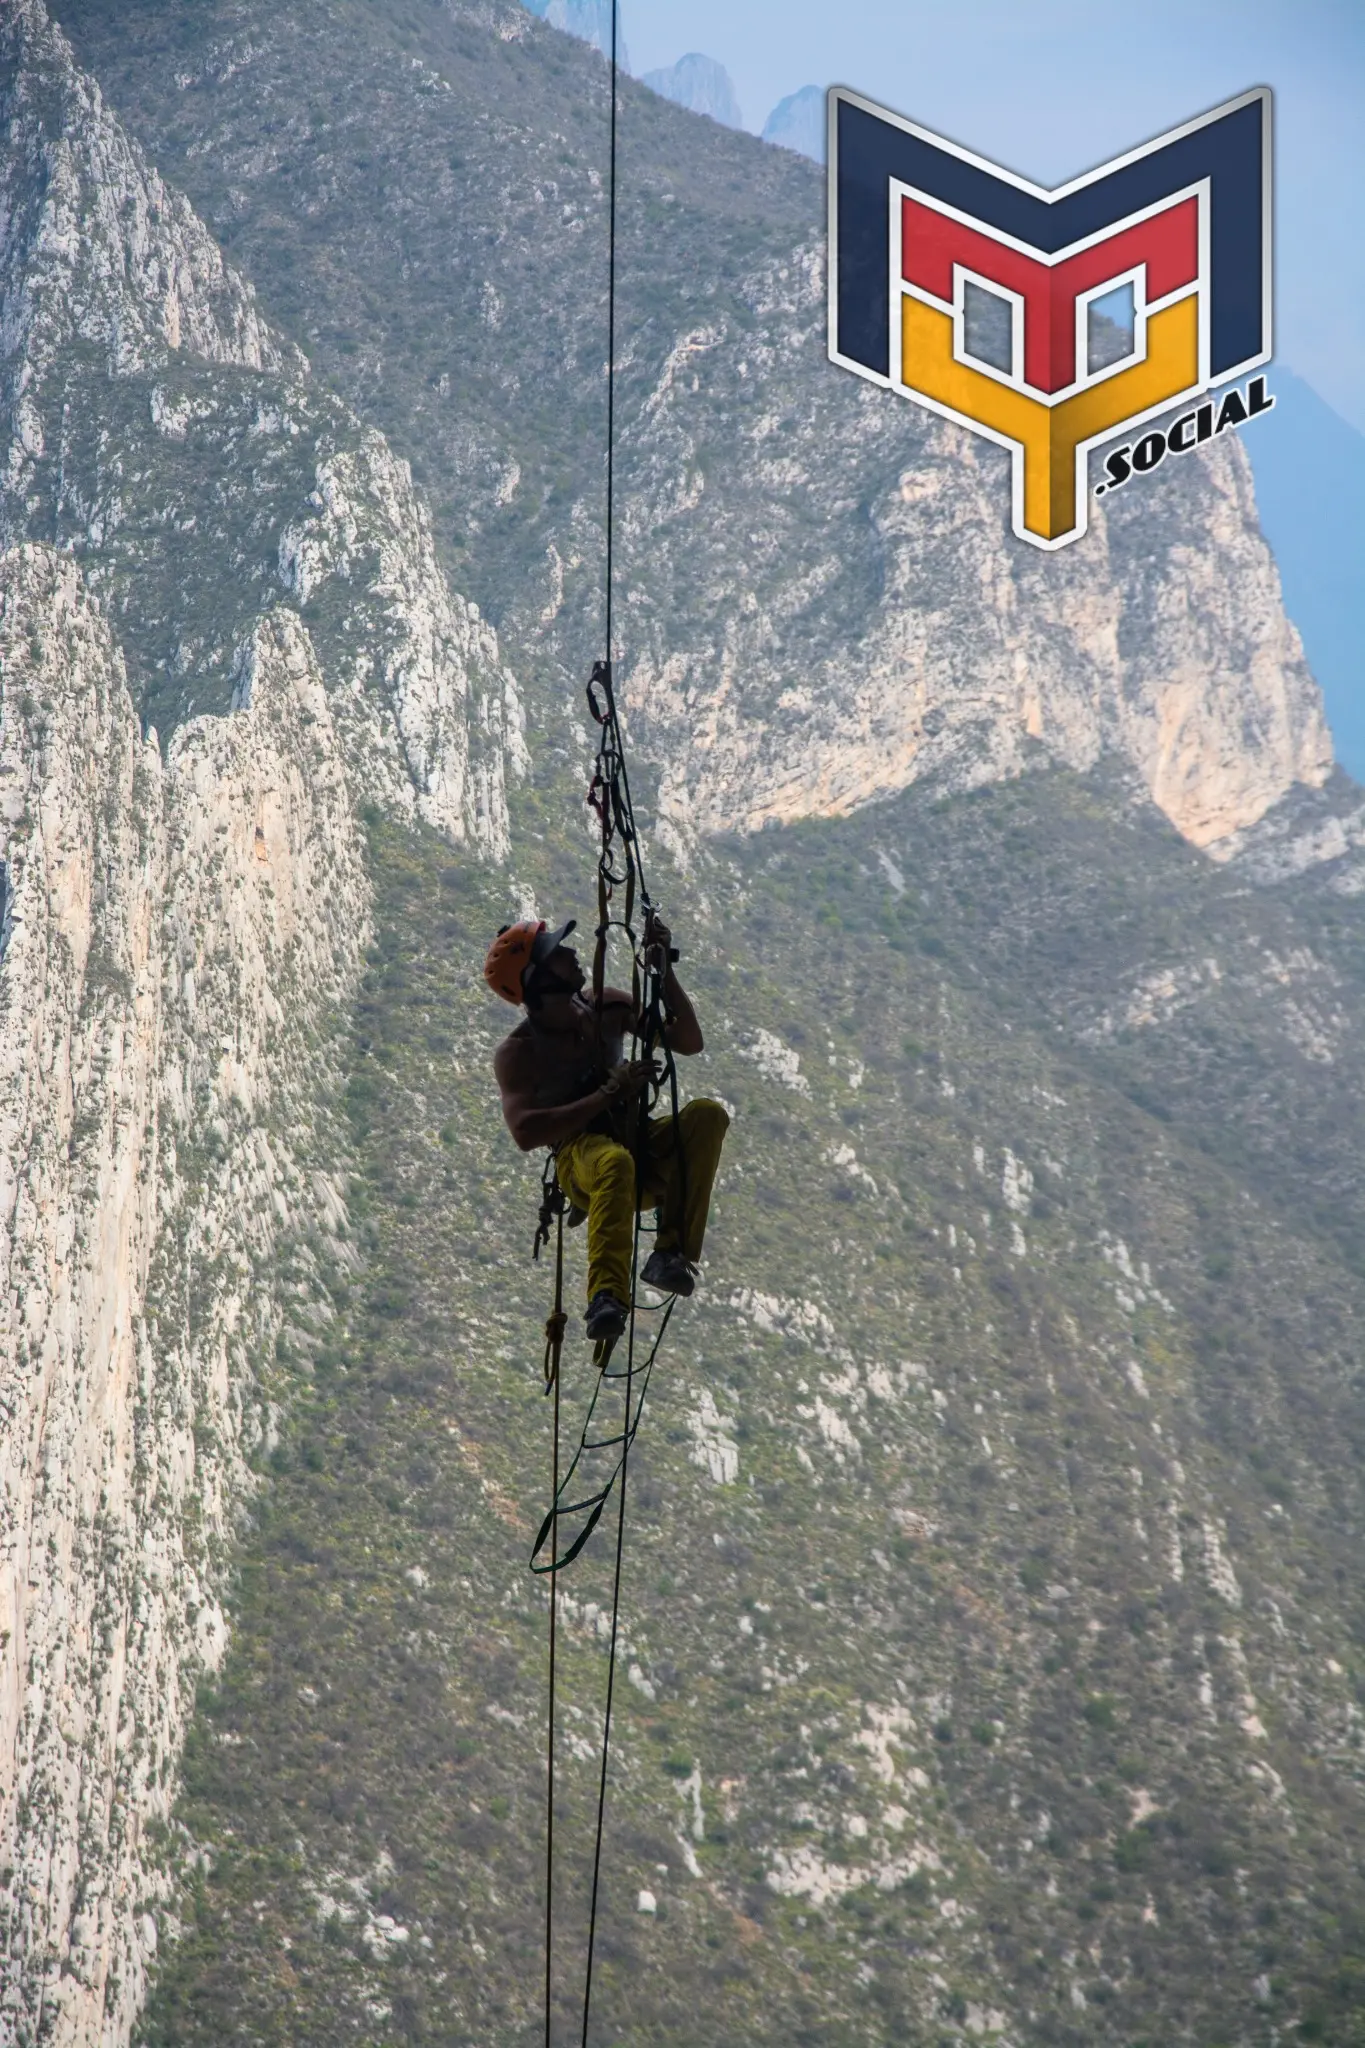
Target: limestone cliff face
[(820, 600), (156, 428), (818, 636), (179, 926), (432, 715), (180, 938), (179, 929), (96, 249)]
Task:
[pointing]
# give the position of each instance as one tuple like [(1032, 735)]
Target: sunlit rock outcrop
[(810, 644), (181, 935)]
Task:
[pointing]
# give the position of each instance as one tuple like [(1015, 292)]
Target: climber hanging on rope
[(565, 1082)]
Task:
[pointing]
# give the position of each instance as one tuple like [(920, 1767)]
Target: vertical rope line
[(611, 326), (615, 1618), (554, 1606), (634, 866)]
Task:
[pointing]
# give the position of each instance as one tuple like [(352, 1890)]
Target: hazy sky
[(1050, 87)]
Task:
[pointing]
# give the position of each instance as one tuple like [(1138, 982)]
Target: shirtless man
[(565, 1082)]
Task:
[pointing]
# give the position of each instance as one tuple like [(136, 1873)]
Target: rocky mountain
[(993, 1640), (192, 526), (699, 83), (589, 20), (798, 122), (785, 545), (159, 434)]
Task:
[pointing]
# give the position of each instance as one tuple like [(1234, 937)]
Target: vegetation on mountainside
[(365, 163), (927, 1648), (172, 489), (993, 1577)]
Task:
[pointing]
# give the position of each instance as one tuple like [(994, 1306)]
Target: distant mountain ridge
[(798, 122), (700, 84), (589, 21)]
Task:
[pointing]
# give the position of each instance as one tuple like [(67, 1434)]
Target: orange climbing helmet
[(517, 947)]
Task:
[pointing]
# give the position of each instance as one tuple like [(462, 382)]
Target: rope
[(611, 1658), (611, 318), (620, 866), (555, 1326), (592, 1504)]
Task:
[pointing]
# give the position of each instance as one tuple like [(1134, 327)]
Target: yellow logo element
[(1049, 442)]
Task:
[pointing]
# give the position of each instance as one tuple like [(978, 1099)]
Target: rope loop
[(600, 700), (555, 1327)]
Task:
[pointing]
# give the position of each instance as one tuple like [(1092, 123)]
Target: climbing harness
[(580, 1492)]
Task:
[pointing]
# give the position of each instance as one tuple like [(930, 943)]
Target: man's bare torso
[(563, 1066)]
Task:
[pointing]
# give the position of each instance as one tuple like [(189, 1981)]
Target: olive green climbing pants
[(597, 1173)]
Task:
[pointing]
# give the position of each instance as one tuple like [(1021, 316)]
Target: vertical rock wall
[(179, 939), (178, 932), (825, 603), (96, 249), (154, 425)]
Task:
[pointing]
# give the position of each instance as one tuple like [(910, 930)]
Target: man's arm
[(683, 1034), (682, 1031), (531, 1125)]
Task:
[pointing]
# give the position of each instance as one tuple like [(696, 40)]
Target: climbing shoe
[(606, 1318), (670, 1272)]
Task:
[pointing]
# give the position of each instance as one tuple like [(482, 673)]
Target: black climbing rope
[(611, 1655), (552, 1207), (620, 874)]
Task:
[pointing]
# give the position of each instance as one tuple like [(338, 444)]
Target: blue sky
[(1050, 87)]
